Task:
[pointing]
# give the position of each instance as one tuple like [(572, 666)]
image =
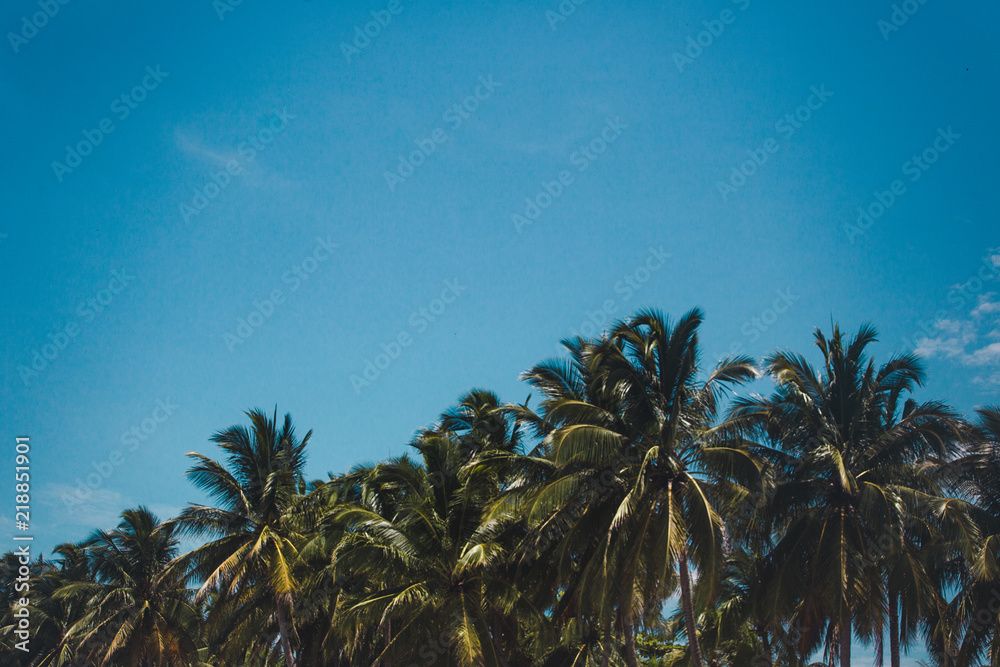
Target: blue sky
[(248, 160)]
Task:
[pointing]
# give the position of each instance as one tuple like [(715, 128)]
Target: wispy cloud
[(967, 340), (251, 147), (101, 509), (194, 147)]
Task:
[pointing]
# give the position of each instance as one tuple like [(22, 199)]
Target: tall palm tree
[(140, 610), (687, 468), (440, 582), (633, 411), (249, 563), (852, 455)]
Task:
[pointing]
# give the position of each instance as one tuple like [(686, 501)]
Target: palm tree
[(975, 618), (60, 614), (567, 505), (140, 610), (632, 411), (249, 563), (852, 456), (921, 526), (437, 566), (836, 507), (687, 467)]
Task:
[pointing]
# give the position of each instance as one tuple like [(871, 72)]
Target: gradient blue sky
[(348, 119)]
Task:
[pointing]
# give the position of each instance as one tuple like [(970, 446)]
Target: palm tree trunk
[(893, 629), (630, 657), (688, 609), (845, 640), (285, 630)]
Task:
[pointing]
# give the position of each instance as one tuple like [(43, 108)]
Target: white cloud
[(940, 346), (984, 356), (949, 326), (973, 341), (988, 382), (957, 335), (987, 305)]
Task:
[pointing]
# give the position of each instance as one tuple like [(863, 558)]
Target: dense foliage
[(643, 512)]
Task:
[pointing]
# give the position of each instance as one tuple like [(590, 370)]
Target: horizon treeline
[(640, 511)]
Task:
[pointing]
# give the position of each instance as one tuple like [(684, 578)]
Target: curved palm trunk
[(688, 609), (893, 629), (285, 630)]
